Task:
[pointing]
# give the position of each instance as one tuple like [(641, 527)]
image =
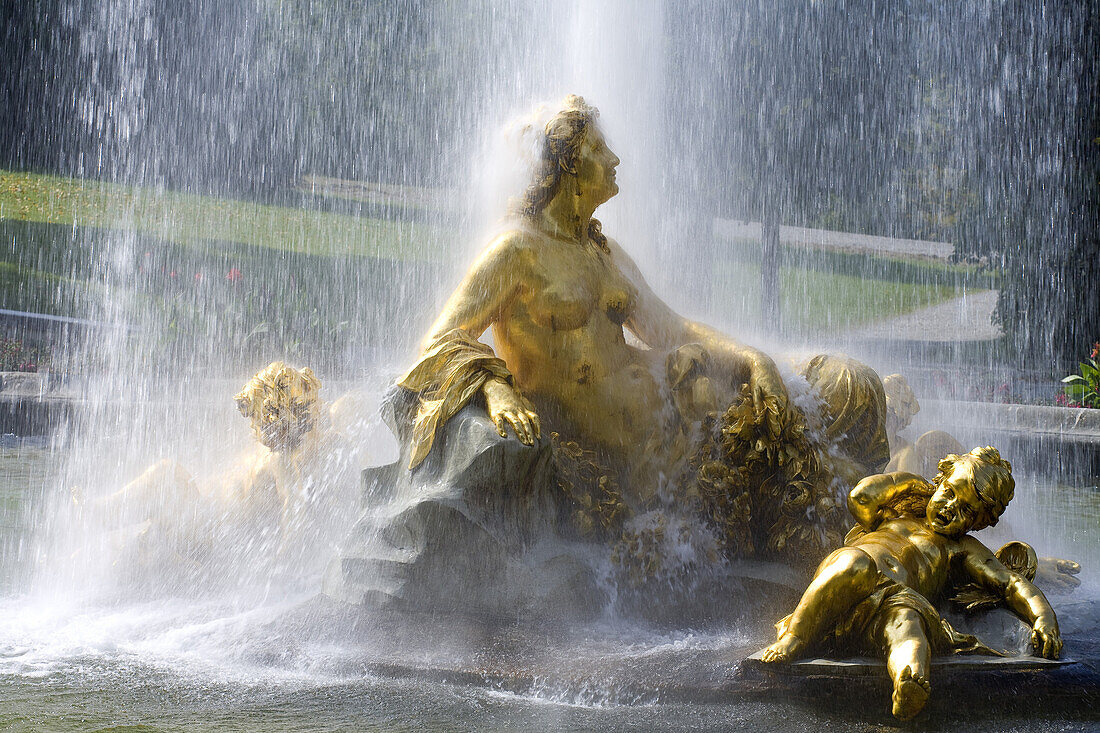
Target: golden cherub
[(285, 486), (873, 594)]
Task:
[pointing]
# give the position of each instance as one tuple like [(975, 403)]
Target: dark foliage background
[(975, 123)]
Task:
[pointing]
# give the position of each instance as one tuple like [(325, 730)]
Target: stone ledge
[(1074, 424), (17, 386)]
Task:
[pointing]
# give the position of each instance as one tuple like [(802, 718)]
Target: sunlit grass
[(812, 299), (816, 301), (187, 219), (821, 301)]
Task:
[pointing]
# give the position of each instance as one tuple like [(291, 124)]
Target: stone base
[(449, 537), (997, 627), (864, 666)]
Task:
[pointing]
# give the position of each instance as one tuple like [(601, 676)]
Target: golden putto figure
[(875, 594), (282, 488), (559, 296)]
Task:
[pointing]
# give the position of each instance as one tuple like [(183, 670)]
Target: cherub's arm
[(164, 489), (253, 483), (872, 500), (1020, 595)]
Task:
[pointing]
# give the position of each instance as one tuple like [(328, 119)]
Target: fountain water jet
[(176, 105)]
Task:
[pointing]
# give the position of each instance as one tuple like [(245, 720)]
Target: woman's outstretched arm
[(658, 326), (484, 294)]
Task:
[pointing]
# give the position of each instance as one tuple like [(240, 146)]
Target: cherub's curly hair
[(559, 147), (993, 482), (281, 403)]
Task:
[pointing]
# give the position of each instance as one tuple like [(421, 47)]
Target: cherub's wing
[(913, 502), (1020, 558)]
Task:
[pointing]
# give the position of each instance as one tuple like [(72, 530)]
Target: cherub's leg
[(908, 659), (843, 579)]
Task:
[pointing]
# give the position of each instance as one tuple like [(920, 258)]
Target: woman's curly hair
[(560, 146)]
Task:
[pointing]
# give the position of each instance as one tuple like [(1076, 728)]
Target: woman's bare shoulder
[(622, 258), (617, 249), (511, 244), (504, 253)]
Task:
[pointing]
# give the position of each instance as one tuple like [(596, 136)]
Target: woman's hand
[(769, 392), (506, 406)]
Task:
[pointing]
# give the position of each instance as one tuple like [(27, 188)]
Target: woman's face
[(596, 167)]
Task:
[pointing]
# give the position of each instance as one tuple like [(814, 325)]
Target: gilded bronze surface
[(594, 501), (921, 457), (874, 594), (282, 405), (690, 414), (558, 294)]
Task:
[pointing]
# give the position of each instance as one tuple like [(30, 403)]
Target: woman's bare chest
[(571, 285)]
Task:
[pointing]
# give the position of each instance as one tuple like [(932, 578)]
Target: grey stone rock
[(472, 530), (997, 627)]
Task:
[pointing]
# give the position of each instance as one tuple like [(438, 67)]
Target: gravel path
[(967, 318)]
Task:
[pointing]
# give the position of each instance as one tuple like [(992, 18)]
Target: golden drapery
[(451, 371), (853, 404)]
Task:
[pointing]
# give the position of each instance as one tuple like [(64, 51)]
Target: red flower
[(1095, 351), (234, 275)]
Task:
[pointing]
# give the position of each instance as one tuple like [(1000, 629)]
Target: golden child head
[(972, 491), (282, 404), (901, 403)]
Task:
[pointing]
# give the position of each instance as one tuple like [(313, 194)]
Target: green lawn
[(187, 219), (818, 301), (815, 301), (820, 292)]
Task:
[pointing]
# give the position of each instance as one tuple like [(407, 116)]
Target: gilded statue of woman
[(559, 296)]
